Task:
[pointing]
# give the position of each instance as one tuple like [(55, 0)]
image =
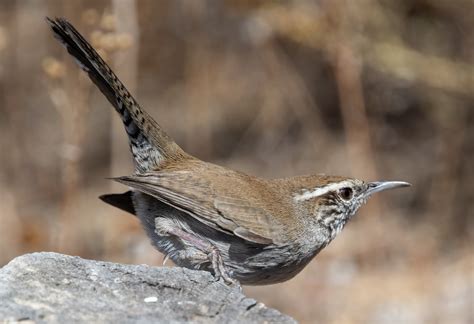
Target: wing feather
[(197, 197)]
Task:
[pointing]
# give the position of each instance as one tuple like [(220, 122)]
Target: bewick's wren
[(204, 216)]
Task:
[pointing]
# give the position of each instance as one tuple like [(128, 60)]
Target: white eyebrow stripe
[(320, 191)]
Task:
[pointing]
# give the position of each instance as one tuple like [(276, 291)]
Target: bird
[(244, 229)]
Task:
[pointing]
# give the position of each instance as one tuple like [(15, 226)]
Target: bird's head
[(336, 200)]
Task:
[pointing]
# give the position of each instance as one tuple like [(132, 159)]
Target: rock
[(56, 288)]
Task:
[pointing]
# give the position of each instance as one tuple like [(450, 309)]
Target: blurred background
[(374, 89)]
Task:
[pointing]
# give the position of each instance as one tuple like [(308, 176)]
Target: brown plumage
[(204, 216)]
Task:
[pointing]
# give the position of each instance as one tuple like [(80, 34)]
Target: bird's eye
[(346, 193)]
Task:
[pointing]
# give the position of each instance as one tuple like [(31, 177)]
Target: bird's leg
[(165, 259), (207, 247)]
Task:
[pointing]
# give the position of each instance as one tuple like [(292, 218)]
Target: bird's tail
[(150, 145)]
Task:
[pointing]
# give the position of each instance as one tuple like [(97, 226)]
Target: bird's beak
[(378, 186)]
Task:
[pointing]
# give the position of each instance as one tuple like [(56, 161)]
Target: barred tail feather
[(150, 145)]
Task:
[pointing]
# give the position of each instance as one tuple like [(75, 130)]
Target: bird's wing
[(122, 201), (196, 196)]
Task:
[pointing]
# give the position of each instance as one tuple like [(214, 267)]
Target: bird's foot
[(206, 251), (219, 268)]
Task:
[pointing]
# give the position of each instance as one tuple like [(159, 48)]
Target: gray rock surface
[(56, 288)]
